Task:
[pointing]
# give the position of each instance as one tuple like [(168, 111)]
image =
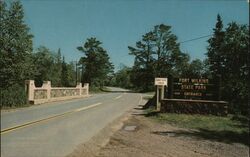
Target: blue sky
[(67, 24)]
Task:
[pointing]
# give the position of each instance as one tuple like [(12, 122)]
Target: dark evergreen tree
[(215, 51), (143, 70), (96, 64), (122, 78), (16, 46), (167, 50), (156, 55), (71, 74), (235, 71), (64, 74), (57, 69), (227, 56), (196, 69), (43, 61)]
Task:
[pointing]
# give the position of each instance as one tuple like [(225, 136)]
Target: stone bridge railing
[(46, 93)]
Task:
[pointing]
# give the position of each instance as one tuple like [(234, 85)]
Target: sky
[(66, 24)]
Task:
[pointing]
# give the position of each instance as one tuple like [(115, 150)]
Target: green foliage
[(142, 73), (56, 69), (197, 121), (64, 74), (230, 129), (49, 66), (236, 73), (194, 69), (228, 56), (71, 74), (156, 55), (167, 50), (122, 78), (16, 61), (16, 46), (215, 49), (96, 64), (43, 61), (13, 96)]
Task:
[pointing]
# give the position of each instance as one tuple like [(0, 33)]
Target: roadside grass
[(230, 129), (95, 90)]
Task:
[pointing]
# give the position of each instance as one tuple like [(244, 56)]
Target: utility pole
[(76, 74), (82, 75)]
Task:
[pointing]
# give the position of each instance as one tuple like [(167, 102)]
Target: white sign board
[(161, 81)]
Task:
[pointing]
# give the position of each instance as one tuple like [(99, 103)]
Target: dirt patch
[(152, 139)]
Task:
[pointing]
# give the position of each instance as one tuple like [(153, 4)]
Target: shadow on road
[(144, 107), (117, 91)]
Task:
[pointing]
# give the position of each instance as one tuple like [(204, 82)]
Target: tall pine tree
[(96, 62), (236, 72), (16, 46), (156, 55), (64, 74), (57, 69), (215, 50), (143, 70)]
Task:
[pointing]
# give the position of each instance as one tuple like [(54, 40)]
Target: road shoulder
[(133, 134), (100, 140)]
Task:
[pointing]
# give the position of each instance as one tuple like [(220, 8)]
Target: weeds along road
[(56, 129)]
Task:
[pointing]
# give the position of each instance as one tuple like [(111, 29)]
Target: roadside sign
[(161, 81)]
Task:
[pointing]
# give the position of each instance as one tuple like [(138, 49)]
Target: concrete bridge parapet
[(46, 93)]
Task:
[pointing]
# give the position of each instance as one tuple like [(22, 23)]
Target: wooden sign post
[(160, 83)]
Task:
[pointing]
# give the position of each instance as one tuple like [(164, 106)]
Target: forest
[(157, 54)]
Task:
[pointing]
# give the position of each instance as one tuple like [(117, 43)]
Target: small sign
[(161, 81)]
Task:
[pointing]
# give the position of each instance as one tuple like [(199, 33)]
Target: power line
[(196, 38), (186, 41)]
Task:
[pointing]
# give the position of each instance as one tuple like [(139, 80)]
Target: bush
[(13, 96)]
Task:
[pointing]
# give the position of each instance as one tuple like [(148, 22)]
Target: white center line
[(87, 107), (118, 97)]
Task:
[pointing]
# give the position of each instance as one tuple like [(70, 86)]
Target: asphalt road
[(55, 129)]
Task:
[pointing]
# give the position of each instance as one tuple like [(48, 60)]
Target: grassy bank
[(95, 90), (230, 129)]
